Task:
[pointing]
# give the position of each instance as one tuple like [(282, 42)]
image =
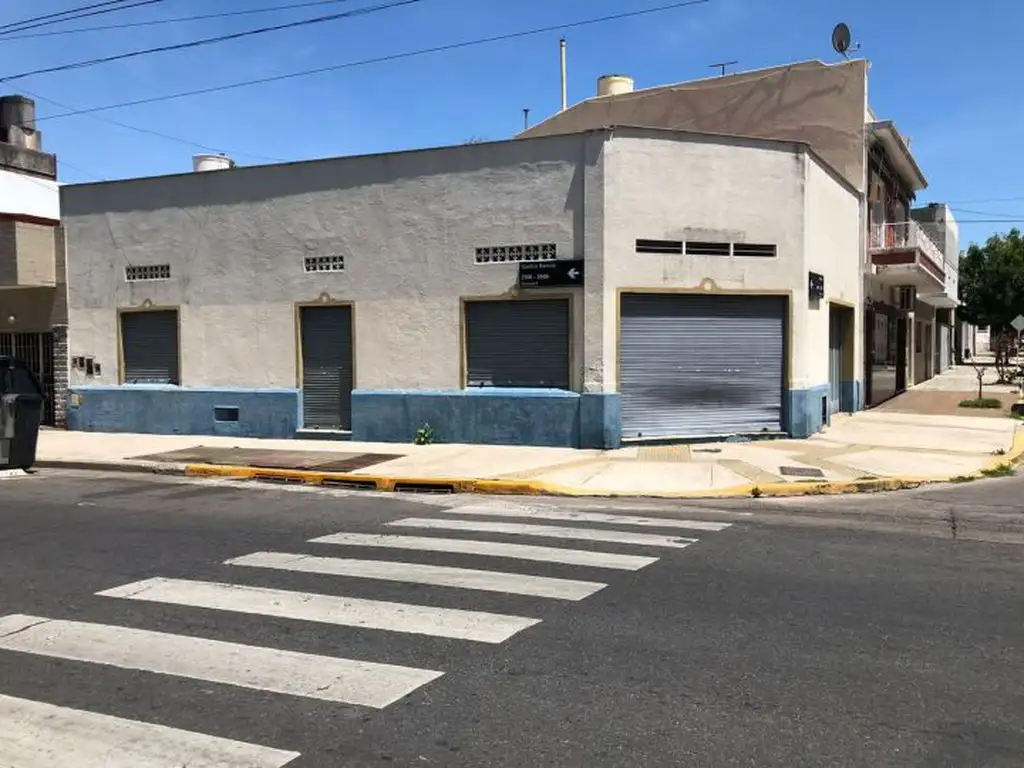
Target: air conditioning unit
[(904, 296)]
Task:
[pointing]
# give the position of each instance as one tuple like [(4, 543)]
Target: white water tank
[(613, 85), (202, 163)]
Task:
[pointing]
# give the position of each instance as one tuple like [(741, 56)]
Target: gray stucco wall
[(406, 223)]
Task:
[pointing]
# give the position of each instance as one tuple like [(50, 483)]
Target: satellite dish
[(841, 38)]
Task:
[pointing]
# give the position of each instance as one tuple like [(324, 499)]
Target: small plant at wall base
[(981, 402), (424, 435)]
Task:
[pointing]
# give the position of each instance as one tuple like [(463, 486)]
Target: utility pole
[(722, 65), (526, 118)]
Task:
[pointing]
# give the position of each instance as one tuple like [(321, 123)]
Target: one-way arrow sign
[(550, 274)]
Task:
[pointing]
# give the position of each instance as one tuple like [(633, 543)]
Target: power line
[(158, 134), (73, 14), (984, 213), (209, 40), (176, 20), (379, 59), (987, 200)]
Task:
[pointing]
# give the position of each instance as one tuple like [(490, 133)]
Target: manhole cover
[(801, 472)]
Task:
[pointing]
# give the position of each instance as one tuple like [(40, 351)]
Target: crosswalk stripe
[(492, 549), (546, 531), (327, 609), (38, 735), (572, 515), (299, 674), (417, 573)]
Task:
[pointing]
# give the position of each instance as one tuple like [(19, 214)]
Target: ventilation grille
[(147, 272), (706, 248), (659, 246), (331, 263), (762, 250), (510, 254)]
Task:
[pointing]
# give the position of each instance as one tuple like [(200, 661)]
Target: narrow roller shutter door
[(149, 341), (518, 343), (327, 367), (694, 366)]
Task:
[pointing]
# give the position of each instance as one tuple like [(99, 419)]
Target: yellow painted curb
[(538, 488)]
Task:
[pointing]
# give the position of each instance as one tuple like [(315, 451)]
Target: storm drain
[(801, 472)]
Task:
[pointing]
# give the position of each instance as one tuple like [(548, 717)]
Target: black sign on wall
[(815, 285), (550, 274)]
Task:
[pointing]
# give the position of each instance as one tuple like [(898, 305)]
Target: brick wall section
[(8, 253), (59, 315), (60, 376)]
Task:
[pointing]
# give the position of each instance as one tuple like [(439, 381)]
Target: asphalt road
[(846, 632)]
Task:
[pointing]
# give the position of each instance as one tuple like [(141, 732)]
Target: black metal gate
[(36, 349)]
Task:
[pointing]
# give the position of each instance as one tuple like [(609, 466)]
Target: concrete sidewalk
[(874, 450)]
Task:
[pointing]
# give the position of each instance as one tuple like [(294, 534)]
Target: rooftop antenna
[(841, 40), (526, 118), (722, 65), (561, 60)]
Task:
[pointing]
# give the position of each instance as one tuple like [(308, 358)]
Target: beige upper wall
[(822, 105)]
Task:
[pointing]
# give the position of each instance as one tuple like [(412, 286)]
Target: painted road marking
[(328, 609), (417, 573), (267, 669), (492, 549), (570, 515), (547, 531), (37, 735)]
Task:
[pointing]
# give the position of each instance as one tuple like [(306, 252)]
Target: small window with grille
[(137, 273), (512, 254), (333, 262)]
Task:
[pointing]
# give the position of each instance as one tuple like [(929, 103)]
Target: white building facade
[(690, 285)]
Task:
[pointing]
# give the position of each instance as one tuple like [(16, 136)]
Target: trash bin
[(21, 409)]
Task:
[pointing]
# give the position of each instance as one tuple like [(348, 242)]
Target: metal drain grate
[(801, 472)]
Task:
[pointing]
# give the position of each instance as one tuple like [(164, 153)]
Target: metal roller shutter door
[(518, 343), (149, 341), (326, 367), (694, 366)]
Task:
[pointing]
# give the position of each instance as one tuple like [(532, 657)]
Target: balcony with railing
[(902, 253)]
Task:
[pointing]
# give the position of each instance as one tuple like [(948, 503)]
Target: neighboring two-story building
[(33, 306)]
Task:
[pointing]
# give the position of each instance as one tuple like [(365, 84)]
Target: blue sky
[(945, 71)]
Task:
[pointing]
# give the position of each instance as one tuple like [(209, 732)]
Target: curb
[(111, 466), (534, 487)]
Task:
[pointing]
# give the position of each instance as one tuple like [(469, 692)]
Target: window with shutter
[(149, 343), (518, 343)]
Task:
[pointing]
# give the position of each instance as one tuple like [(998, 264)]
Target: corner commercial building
[(368, 296), (33, 307)]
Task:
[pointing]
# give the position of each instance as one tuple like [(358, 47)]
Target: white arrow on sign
[(573, 273)]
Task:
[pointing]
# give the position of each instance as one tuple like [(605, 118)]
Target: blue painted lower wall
[(167, 410), (803, 407), (850, 397), (496, 416), (803, 410)]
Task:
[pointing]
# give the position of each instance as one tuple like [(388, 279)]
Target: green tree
[(992, 282)]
